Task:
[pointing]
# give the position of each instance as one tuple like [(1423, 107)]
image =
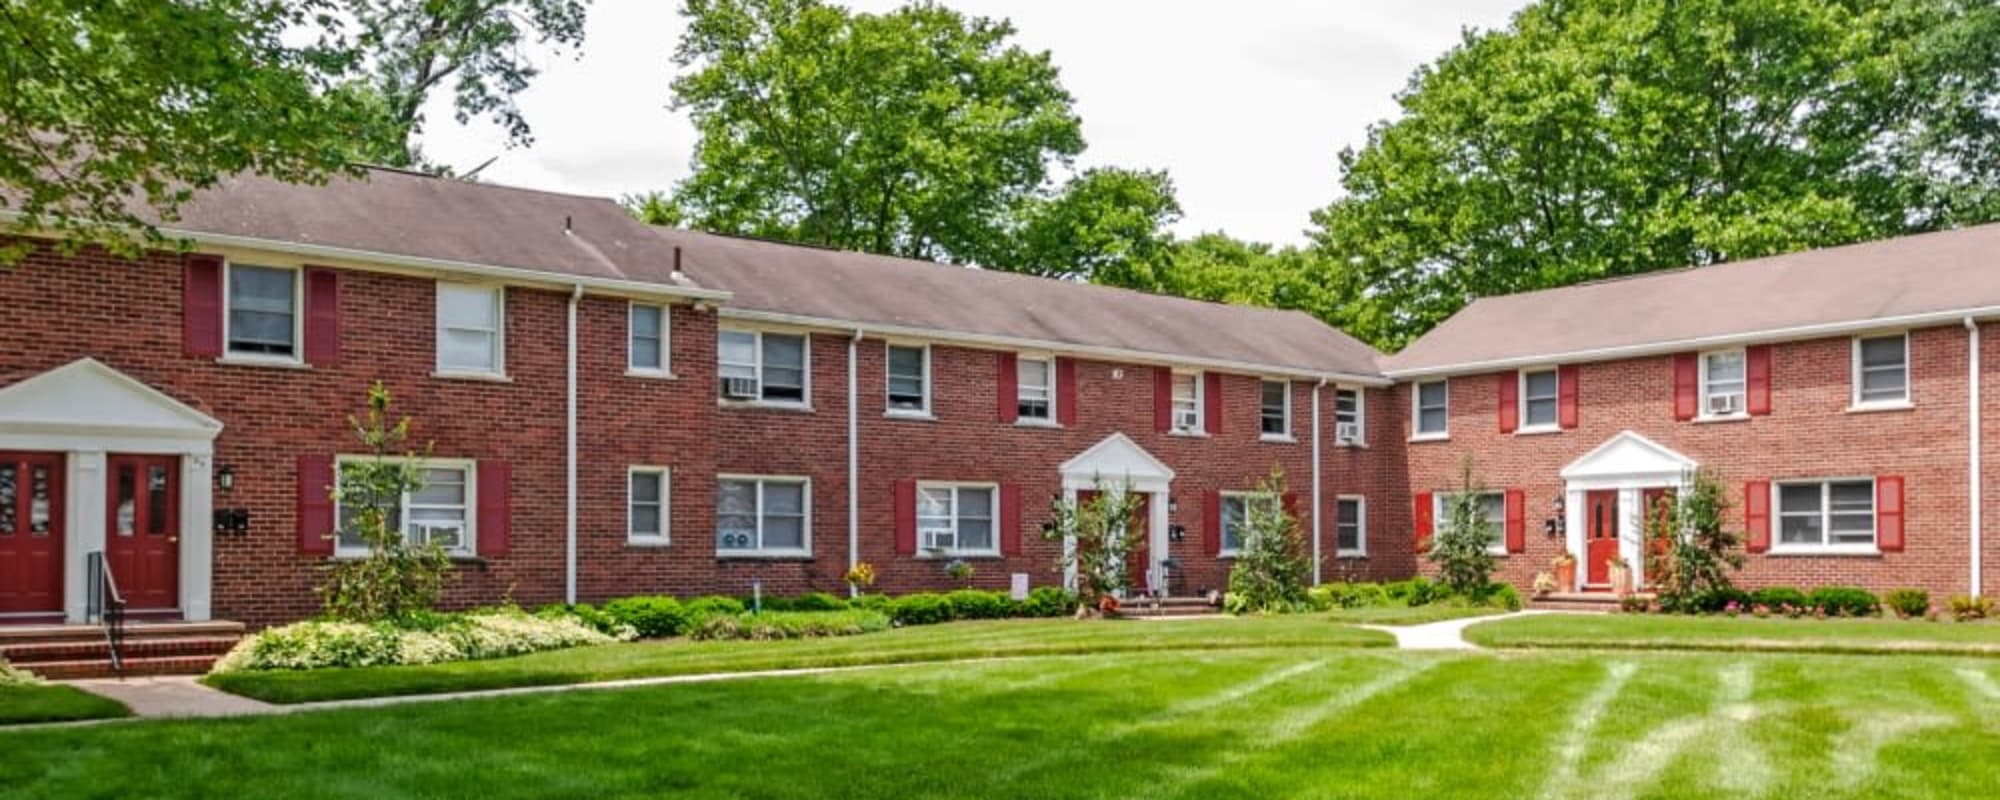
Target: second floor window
[(1433, 402), (1722, 383), (648, 351), (1882, 370), (1347, 413), (263, 311), (768, 367), (1275, 414), (1035, 379), (470, 325), (1187, 402), (1538, 399), (909, 380)]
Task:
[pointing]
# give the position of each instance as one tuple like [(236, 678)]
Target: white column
[(1573, 528), (1158, 544), (1069, 545), (1631, 538), (83, 525), (197, 535)]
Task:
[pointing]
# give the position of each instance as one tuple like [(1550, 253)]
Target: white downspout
[(853, 458), (1317, 566), (1972, 435), (569, 512)]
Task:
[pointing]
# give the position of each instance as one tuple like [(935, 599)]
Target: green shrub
[(1845, 601), (651, 616), (1502, 595), (975, 604), (713, 605), (1966, 608), (585, 613), (871, 602), (818, 601), (922, 608), (1716, 600), (9, 676), (773, 625), (1908, 603), (1049, 601), (1415, 591), (1778, 597), (462, 637), (772, 602)]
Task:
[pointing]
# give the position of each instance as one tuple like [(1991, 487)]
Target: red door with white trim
[(31, 533), (143, 543), (1600, 535)]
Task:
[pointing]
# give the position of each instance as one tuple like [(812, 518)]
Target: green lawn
[(1192, 724), (54, 703), (1655, 632), (961, 640), (1408, 615)]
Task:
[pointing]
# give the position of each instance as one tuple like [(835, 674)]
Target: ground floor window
[(956, 519), (1350, 526), (646, 505), (1236, 511), (1492, 506), (438, 511), (763, 516), (1826, 515)]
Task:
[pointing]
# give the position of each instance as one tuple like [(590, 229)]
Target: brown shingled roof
[(1817, 292), (821, 284)]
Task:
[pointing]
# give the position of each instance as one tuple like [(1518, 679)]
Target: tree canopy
[(1595, 138)]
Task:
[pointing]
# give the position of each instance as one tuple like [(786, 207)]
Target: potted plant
[(1621, 577), (1545, 583), (861, 577), (1565, 566)]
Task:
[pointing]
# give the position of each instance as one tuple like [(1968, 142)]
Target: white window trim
[(1779, 547), (1284, 436), (664, 536), (1200, 404), (666, 367), (499, 369), (805, 366), (913, 413), (1521, 422), (1360, 526), (992, 489), (1360, 415), (471, 468), (1222, 518), (1701, 411), (806, 530), (1440, 512), (1418, 434), (1055, 393), (298, 356), (1855, 403)]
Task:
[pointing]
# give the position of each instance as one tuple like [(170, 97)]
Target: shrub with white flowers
[(464, 637)]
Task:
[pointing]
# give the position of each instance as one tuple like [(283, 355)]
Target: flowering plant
[(861, 576), (958, 569), (1732, 609)]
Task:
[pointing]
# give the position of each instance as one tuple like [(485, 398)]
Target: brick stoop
[(1167, 607), (64, 652), (1599, 602)]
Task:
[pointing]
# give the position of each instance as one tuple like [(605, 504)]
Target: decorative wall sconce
[(225, 478)]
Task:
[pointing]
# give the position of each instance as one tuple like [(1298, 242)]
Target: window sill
[(649, 542), (763, 405), (1708, 420), (913, 416), (986, 555), (485, 377), (1277, 438), (1542, 430), (1189, 434), (1352, 445), (651, 374), (773, 555), (243, 360), (1229, 555), (1823, 552), (1352, 555), (1430, 437), (1036, 423), (1874, 408)]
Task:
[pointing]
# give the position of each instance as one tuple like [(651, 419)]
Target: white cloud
[(1246, 104)]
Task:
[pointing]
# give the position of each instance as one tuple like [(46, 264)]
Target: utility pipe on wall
[(1315, 479), (569, 462), (853, 459), (1974, 499)]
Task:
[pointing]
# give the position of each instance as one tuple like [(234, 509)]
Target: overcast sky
[(1246, 103)]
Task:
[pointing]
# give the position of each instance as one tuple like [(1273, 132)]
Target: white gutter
[(569, 462), (1972, 435), (1317, 567), (853, 459), (1926, 319), (1064, 348)]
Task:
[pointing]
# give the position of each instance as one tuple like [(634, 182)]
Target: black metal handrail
[(105, 605)]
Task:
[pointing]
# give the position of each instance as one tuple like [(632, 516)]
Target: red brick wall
[(1809, 434)]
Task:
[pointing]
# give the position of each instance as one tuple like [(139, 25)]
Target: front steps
[(1167, 608), (1596, 602), (65, 652)]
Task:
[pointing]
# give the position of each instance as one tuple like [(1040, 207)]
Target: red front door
[(31, 533), (1139, 560), (1600, 537), (143, 543)]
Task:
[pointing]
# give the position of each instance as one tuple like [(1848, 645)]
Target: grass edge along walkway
[(24, 705), (1737, 635), (959, 641)]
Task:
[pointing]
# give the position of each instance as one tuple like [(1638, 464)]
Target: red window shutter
[(1211, 522), (1420, 516), (1757, 516), (1163, 399), (495, 507), (1517, 521), (1066, 391), (1757, 379), (1008, 391), (1687, 385), (315, 505), (1211, 396), (322, 315), (1889, 514), (1566, 410), (1509, 386), (906, 517), (201, 305), (1010, 519), (1293, 509)]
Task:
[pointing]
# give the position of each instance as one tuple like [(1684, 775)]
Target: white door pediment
[(1117, 459), (1628, 458), (86, 397)]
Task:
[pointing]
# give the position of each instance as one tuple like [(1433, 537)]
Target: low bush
[(871, 602), (1966, 608), (585, 613), (1502, 595), (464, 637), (1908, 603), (1845, 601), (712, 605), (975, 604), (1329, 596), (922, 608), (653, 617), (772, 625), (1415, 591), (10, 676), (1779, 598), (1716, 601), (1049, 601), (818, 601)]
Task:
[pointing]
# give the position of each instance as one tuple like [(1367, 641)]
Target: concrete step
[(134, 631), (26, 655), (101, 668), (1576, 601)]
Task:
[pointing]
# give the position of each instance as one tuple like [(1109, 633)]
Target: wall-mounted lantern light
[(225, 478)]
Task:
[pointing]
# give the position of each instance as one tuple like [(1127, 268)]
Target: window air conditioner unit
[(739, 388), (1185, 420), (1724, 404), (940, 540), (1347, 433)]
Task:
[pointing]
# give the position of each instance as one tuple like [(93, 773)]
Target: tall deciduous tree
[(114, 113), (1597, 138)]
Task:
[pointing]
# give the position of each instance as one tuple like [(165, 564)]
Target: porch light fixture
[(225, 478)]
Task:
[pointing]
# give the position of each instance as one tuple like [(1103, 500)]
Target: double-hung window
[(1275, 409), (1347, 417), (647, 353), (1723, 383), (1433, 409), (1826, 515), (1882, 370), (758, 516), (1538, 399), (1187, 402), (263, 314), (438, 511), (1035, 389), (1492, 509), (956, 519), (1237, 509), (1350, 526), (470, 329), (762, 366), (909, 370), (647, 505)]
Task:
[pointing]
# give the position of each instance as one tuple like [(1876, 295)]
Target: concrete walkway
[(1446, 635), (172, 696)]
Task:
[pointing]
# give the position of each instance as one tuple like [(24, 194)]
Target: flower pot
[(1621, 579), (1566, 577)]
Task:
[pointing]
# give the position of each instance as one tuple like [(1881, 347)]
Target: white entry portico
[(1628, 464), (1119, 464)]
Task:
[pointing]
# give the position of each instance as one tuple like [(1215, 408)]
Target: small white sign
[(1020, 586)]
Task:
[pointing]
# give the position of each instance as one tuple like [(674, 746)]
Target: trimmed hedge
[(772, 625), (1779, 597), (654, 617), (975, 604), (1049, 601), (922, 608), (1908, 602), (1845, 601)]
